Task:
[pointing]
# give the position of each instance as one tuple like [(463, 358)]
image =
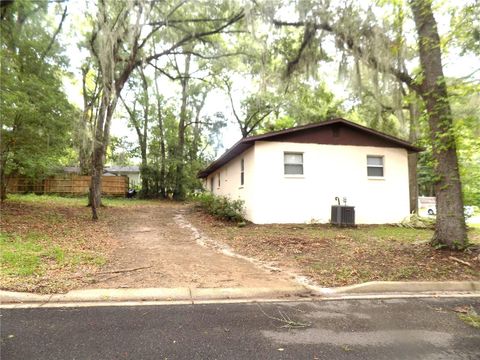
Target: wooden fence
[(68, 185)]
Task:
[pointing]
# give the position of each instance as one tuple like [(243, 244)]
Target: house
[(133, 173), (294, 175)]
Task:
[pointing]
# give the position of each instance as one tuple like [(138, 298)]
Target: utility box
[(343, 215)]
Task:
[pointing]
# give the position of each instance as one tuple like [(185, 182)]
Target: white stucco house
[(294, 175)]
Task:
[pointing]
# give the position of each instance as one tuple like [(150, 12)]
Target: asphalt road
[(360, 329)]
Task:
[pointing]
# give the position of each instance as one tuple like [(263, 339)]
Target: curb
[(248, 293), (152, 294), (192, 295), (388, 287)]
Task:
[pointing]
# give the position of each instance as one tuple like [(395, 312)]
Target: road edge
[(378, 289), (386, 287)]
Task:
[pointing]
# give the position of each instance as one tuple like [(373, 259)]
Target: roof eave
[(236, 150)]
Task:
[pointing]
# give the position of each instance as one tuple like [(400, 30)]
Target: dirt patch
[(335, 257), (154, 251)]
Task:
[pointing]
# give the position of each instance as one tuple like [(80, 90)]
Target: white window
[(242, 172), (293, 163), (374, 166)]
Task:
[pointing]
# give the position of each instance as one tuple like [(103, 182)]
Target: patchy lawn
[(49, 243), (338, 256)]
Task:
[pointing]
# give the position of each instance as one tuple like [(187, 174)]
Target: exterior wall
[(230, 180), (134, 179), (329, 171)]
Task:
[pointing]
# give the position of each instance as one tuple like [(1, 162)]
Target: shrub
[(221, 206)]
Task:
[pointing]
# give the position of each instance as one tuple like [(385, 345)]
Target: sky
[(217, 101)]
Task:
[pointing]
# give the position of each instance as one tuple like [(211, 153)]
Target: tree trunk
[(143, 140), (84, 144), (179, 191), (145, 175), (163, 156), (450, 229), (84, 141), (413, 158), (196, 128), (102, 136), (3, 183)]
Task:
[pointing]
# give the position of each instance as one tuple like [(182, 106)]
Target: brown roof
[(354, 134)]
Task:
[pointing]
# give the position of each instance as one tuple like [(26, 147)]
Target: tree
[(254, 110), (83, 135), (120, 151), (119, 43), (450, 229), (140, 121), (369, 42), (36, 117)]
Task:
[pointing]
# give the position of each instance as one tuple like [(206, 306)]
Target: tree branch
[(133, 118), (255, 124), (55, 34), (184, 21), (229, 91), (208, 57), (235, 18), (171, 77), (348, 40)]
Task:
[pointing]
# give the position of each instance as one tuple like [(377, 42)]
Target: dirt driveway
[(168, 255)]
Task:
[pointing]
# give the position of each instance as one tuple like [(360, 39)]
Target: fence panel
[(67, 185)]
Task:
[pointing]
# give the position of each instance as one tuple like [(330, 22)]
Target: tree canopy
[(36, 117)]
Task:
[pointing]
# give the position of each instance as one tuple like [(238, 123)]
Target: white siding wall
[(134, 179), (230, 180), (329, 171)]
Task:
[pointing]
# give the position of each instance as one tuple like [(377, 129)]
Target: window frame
[(302, 174), (212, 183), (382, 166), (242, 171), (219, 180)]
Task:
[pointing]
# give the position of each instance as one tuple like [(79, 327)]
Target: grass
[(472, 319), (342, 256), (18, 257), (49, 243), (34, 253), (76, 201)]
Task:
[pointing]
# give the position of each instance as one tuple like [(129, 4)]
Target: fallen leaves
[(80, 245), (337, 256)]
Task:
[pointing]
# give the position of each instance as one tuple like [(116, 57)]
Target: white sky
[(454, 66)]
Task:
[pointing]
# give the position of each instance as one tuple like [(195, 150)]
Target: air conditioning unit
[(343, 215)]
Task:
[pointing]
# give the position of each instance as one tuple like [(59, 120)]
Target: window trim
[(285, 163), (242, 171), (375, 177)]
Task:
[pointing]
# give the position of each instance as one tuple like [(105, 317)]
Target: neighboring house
[(133, 172), (294, 175)]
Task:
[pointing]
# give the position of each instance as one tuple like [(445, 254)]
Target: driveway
[(153, 250)]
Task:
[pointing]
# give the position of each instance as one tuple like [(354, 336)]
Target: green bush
[(221, 206)]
